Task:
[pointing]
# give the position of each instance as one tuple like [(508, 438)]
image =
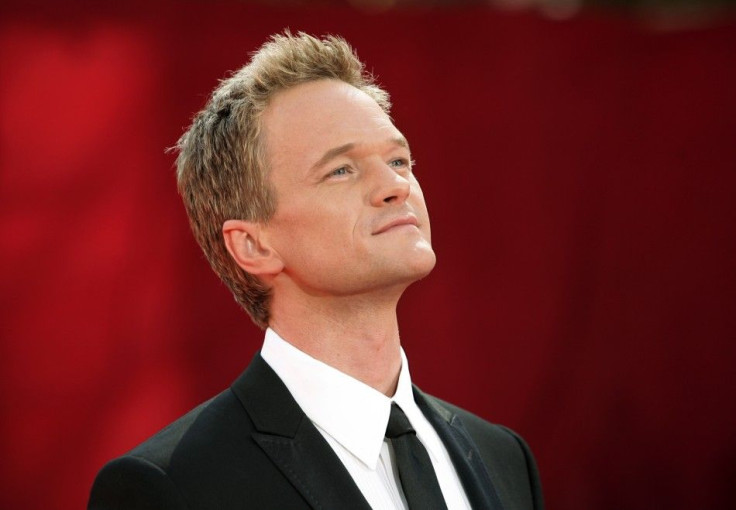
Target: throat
[(366, 348)]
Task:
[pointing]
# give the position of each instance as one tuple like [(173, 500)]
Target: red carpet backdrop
[(580, 175)]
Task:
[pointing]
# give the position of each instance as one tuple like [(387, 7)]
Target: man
[(300, 191)]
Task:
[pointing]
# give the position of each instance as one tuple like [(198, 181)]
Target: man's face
[(350, 216)]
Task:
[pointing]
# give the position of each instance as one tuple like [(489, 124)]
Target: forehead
[(304, 121)]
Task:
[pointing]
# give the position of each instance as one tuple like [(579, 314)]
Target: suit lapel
[(463, 452), (292, 442)]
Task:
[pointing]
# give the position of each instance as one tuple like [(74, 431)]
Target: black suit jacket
[(252, 447)]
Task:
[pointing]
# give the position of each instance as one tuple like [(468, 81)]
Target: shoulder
[(134, 482), (485, 434), (195, 433), (193, 451), (506, 456)]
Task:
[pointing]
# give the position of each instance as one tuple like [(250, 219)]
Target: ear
[(246, 246)]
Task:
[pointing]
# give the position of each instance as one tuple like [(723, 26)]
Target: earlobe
[(245, 244)]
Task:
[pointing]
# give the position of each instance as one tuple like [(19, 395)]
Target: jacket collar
[(293, 444), (464, 453)]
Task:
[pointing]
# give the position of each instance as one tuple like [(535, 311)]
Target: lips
[(409, 219)]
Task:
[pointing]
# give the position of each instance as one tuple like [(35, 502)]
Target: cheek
[(324, 228)]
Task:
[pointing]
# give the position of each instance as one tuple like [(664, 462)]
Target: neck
[(357, 335)]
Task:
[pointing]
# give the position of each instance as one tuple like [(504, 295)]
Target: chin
[(423, 263)]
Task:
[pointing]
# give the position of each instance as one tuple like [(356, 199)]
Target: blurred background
[(579, 162)]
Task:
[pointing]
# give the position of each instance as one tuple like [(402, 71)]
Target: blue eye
[(343, 170), (400, 163)]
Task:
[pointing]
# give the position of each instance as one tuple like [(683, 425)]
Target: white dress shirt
[(352, 417)]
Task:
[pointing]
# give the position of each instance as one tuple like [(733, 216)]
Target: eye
[(401, 163), (339, 172)]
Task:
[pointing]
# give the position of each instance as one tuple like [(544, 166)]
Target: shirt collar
[(351, 412)]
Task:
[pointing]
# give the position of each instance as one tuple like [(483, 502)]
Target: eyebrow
[(342, 149), (332, 154)]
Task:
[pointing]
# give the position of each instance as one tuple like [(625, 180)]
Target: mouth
[(408, 220)]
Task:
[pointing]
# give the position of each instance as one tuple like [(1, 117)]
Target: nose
[(390, 186)]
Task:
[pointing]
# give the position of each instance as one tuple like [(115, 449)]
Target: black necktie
[(415, 469)]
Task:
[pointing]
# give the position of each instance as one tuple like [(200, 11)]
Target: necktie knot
[(398, 423)]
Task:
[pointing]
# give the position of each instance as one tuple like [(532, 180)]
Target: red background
[(580, 175)]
